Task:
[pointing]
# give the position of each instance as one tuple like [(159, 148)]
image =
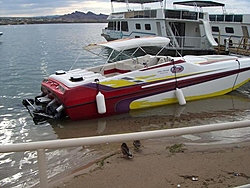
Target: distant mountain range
[(81, 16), (75, 17)]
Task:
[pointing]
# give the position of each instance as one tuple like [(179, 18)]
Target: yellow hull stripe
[(150, 78), (166, 101)]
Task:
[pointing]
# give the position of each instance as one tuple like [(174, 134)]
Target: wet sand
[(166, 162), (214, 159)]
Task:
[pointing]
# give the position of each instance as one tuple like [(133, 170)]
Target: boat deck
[(241, 48)]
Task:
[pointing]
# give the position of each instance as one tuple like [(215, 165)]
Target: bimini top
[(200, 3), (126, 44), (137, 1)]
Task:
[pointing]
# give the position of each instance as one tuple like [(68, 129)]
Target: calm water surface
[(28, 53)]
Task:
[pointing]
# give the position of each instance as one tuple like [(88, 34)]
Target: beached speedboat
[(141, 81)]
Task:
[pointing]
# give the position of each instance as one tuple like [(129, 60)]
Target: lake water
[(28, 53)]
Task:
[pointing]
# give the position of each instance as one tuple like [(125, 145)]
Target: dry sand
[(161, 163)]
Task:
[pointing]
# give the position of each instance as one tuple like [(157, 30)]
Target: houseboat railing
[(226, 18), (235, 45), (152, 13), (41, 146)]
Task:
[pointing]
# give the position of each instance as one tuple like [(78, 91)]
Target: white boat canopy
[(199, 3), (126, 44), (136, 1)]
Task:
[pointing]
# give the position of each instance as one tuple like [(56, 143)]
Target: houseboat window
[(111, 25), (138, 26), (189, 15), (172, 14), (143, 14), (147, 14), (229, 30), (138, 14), (201, 15), (220, 18), (212, 17), (147, 27), (215, 29), (124, 26), (238, 18), (118, 26), (229, 18), (153, 13)]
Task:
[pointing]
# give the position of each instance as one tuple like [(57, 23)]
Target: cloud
[(59, 7), (49, 7)]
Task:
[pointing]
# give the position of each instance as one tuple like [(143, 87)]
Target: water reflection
[(213, 110), (218, 109), (19, 166)]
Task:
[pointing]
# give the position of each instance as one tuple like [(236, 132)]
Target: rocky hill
[(75, 17), (83, 17)]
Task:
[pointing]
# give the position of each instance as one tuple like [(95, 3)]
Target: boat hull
[(125, 104), (154, 86), (139, 82)]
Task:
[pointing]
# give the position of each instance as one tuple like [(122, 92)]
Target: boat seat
[(161, 60), (124, 66), (138, 66), (164, 59), (147, 60)]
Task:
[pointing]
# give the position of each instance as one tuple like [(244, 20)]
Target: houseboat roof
[(199, 3), (136, 1)]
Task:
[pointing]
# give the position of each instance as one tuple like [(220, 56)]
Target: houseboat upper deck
[(189, 31)]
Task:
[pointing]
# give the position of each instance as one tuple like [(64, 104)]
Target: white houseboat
[(234, 27), (189, 31)]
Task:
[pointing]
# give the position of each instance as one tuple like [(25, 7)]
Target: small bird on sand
[(137, 144), (125, 151)]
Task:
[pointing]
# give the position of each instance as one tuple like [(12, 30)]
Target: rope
[(75, 61)]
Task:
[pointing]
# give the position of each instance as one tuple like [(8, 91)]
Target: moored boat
[(142, 81), (224, 25), (1, 33), (189, 31)]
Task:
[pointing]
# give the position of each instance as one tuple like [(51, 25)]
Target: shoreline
[(166, 162)]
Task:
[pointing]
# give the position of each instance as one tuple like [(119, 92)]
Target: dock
[(240, 48)]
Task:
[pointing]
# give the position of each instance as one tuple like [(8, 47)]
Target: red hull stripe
[(121, 102), (112, 71)]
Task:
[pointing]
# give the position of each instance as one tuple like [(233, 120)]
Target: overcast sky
[(29, 8)]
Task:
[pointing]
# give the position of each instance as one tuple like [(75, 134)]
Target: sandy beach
[(166, 162), (209, 160)]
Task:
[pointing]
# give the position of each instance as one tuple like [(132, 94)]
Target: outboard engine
[(45, 108)]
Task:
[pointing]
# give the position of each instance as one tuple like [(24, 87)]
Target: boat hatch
[(59, 72)]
